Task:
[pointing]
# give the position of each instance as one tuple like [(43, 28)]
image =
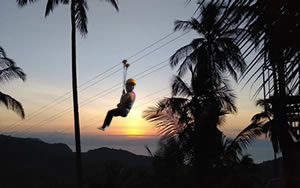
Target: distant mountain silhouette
[(98, 156), (33, 162), (27, 162), (29, 149), (267, 168), (10, 144)]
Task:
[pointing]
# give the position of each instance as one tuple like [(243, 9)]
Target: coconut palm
[(269, 126), (208, 58), (193, 117), (215, 51), (264, 123), (79, 20), (9, 71), (179, 144), (274, 27)]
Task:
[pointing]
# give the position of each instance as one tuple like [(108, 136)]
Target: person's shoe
[(101, 128)]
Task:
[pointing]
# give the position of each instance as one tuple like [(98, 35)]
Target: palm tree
[(274, 28), (264, 123), (215, 51), (9, 71), (193, 118), (179, 143), (208, 58), (79, 20)]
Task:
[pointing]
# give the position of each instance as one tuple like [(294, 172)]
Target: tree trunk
[(75, 98), (281, 116), (275, 165)]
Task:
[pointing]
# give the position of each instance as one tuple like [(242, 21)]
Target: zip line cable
[(117, 86), (125, 67), (86, 126), (242, 39), (36, 112), (52, 138), (98, 75), (145, 55), (108, 91), (59, 114), (91, 99), (134, 107), (137, 60), (117, 70), (29, 130)]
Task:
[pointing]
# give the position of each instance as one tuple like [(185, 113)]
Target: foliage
[(9, 71)]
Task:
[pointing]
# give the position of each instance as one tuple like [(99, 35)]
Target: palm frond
[(12, 104), (12, 72), (81, 19), (246, 136), (260, 117), (182, 25), (226, 97), (114, 3), (4, 60), (8, 68), (2, 52), (180, 54), (51, 4), (22, 3), (230, 151), (149, 151), (185, 65), (179, 87), (166, 122)]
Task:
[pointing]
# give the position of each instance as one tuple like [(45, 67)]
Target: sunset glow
[(47, 100)]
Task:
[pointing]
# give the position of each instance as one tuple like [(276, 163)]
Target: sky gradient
[(41, 47)]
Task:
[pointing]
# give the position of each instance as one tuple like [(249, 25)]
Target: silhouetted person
[(124, 106)]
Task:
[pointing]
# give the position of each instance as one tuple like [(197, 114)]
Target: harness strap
[(125, 67)]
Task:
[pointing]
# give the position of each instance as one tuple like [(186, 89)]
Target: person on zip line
[(126, 102)]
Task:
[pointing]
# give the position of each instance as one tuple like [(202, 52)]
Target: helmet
[(131, 81)]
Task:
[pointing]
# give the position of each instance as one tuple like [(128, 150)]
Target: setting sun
[(134, 131)]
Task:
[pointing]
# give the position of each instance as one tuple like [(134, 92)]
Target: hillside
[(33, 162)]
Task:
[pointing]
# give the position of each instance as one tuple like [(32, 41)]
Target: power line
[(58, 100), (93, 98), (86, 126), (134, 107)]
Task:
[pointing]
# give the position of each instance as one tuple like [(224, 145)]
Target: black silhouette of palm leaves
[(264, 123), (273, 28), (9, 71), (196, 110), (178, 132), (215, 50), (81, 7)]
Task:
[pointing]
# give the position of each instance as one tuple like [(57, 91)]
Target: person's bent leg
[(111, 114), (108, 118)]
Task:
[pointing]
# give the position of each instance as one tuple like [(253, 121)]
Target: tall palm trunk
[(275, 165), (75, 97), (283, 120), (281, 116)]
